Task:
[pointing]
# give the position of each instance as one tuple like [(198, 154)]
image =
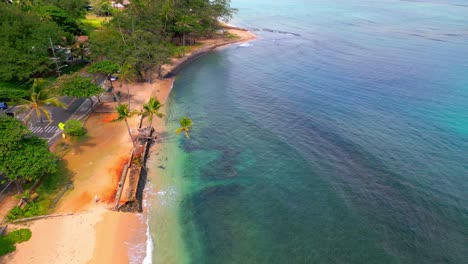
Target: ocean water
[(340, 135)]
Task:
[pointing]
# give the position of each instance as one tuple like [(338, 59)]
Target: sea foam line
[(149, 191), (149, 245)]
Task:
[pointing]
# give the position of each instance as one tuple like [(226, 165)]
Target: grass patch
[(7, 243), (92, 22)]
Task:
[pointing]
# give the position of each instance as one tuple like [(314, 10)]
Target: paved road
[(49, 130), (76, 107)]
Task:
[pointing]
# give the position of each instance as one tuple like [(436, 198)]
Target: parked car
[(3, 106), (113, 78)]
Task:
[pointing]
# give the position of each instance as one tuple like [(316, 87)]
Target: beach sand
[(94, 234)]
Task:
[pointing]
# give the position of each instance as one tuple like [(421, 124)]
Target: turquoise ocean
[(340, 135)]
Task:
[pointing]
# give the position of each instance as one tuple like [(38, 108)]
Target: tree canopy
[(78, 86), (104, 67), (11, 133), (23, 157), (24, 43), (145, 33)]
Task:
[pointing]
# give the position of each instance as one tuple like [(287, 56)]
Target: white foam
[(245, 45), (149, 245)]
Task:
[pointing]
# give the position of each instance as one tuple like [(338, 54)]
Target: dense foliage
[(29, 210), (20, 235), (24, 43), (139, 38), (144, 34), (23, 157), (74, 128), (78, 86), (7, 243)]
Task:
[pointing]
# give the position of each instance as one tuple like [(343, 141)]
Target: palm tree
[(185, 126), (151, 109), (39, 100), (124, 113)]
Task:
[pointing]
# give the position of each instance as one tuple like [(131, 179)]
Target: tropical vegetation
[(42, 40), (39, 99), (123, 114), (74, 128), (23, 156), (185, 126), (7, 243), (152, 108), (78, 86)]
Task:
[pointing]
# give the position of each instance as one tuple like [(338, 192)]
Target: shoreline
[(170, 70), (95, 234)]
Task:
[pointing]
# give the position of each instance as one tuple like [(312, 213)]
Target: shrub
[(15, 213), (29, 210), (7, 243), (6, 246), (20, 235), (74, 128)]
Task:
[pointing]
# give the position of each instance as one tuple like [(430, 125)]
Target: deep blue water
[(340, 135)]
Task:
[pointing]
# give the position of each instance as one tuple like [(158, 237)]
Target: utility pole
[(54, 58)]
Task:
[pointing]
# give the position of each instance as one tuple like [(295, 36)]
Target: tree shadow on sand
[(75, 145)]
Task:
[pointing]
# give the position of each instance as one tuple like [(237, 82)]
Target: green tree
[(78, 86), (146, 51), (27, 157), (151, 109), (124, 114), (74, 128), (11, 133), (101, 7), (105, 68), (107, 44), (61, 17), (185, 126), (185, 25), (40, 98), (24, 43), (75, 8)]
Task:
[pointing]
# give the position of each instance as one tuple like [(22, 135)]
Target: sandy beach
[(93, 233)]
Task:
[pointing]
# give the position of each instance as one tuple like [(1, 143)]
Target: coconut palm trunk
[(130, 133), (123, 114)]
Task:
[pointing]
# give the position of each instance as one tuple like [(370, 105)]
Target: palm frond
[(54, 101), (123, 112), (46, 114), (185, 125)]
